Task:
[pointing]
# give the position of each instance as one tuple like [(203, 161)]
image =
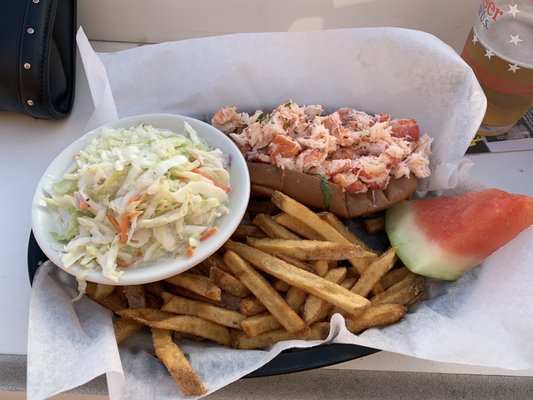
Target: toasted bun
[(307, 189)]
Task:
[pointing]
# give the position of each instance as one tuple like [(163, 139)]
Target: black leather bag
[(37, 57)]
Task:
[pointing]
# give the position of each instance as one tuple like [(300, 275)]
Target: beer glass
[(499, 49)]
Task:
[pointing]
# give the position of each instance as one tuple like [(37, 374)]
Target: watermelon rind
[(418, 251)]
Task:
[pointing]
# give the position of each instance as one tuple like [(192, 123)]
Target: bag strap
[(40, 76)]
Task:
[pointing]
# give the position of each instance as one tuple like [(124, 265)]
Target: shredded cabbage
[(137, 195)]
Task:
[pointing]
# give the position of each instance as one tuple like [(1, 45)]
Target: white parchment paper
[(485, 318)]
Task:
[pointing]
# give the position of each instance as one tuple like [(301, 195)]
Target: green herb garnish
[(327, 190), (264, 117)]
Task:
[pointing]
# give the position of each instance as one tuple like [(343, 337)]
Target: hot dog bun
[(307, 189)]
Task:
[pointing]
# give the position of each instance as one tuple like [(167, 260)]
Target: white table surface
[(27, 146)]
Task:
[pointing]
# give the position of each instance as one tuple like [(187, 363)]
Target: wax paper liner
[(482, 319)]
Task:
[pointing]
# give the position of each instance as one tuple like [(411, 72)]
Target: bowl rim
[(162, 269)]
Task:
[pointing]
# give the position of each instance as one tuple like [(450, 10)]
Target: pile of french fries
[(283, 274)]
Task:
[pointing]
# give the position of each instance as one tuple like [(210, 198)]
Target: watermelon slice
[(444, 237)]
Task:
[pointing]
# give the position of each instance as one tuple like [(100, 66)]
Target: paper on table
[(104, 103), (69, 343), (477, 320)]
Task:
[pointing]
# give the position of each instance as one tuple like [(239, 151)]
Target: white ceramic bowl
[(42, 218)]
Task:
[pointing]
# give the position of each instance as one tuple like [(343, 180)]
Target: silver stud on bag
[(27, 66), (30, 101), (35, 1), (30, 31)]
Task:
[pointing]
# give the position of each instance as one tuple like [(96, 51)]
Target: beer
[(499, 49)]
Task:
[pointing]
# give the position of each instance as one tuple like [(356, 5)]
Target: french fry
[(313, 221), (295, 225), (198, 284), (374, 225), (125, 327), (214, 260), (112, 302), (230, 301), (297, 263), (206, 265), (228, 283), (393, 276), (307, 217), (103, 290), (417, 298), (219, 315), (179, 323), (280, 286), (260, 323), (265, 340), (243, 231), (251, 306), (200, 269), (295, 298), (309, 282), (349, 282), (374, 272), (376, 315), (236, 299), (135, 296), (272, 229), (154, 288), (304, 249), (315, 308), (153, 301), (320, 267), (339, 226), (178, 291), (418, 290), (404, 292), (246, 219), (196, 326), (261, 191), (265, 293), (145, 315), (177, 365)]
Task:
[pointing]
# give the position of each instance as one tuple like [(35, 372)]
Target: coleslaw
[(136, 195)]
